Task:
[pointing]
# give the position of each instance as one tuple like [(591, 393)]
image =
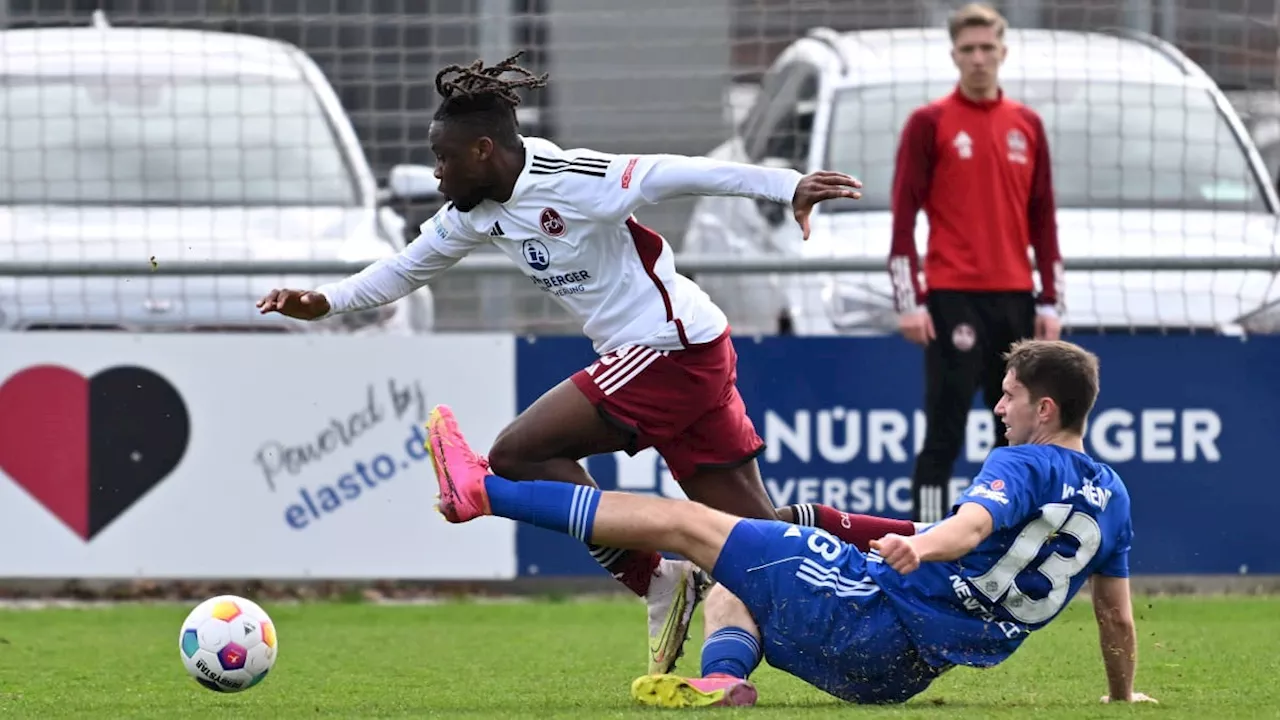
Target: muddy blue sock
[(730, 651)]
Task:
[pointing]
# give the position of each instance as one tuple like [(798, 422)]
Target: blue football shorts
[(821, 617)]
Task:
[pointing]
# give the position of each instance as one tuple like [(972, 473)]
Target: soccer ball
[(228, 643)]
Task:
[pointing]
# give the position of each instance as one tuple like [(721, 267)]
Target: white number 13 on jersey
[(1058, 570)]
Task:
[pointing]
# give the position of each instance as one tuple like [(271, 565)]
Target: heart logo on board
[(87, 449)]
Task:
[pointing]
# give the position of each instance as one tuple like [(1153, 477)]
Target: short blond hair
[(976, 15)]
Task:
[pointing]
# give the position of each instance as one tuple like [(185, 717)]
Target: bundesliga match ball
[(228, 644)]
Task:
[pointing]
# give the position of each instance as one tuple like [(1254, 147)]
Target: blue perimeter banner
[(1188, 421)]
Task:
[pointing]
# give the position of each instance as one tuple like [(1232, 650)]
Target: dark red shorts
[(683, 403)]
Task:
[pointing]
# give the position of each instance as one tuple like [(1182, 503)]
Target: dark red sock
[(857, 530), (632, 568)]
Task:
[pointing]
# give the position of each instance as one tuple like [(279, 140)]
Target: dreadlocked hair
[(476, 81), (484, 97)]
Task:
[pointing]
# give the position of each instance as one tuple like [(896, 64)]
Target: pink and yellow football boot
[(459, 471), (673, 691)]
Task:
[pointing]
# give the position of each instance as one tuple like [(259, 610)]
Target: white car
[(1149, 162), (127, 144)]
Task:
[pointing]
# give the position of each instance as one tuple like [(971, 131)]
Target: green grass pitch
[(1202, 658)]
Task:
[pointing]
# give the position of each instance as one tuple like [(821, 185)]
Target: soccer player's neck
[(980, 93), (1061, 438), (508, 166)]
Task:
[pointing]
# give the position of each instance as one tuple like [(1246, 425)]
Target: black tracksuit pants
[(974, 330)]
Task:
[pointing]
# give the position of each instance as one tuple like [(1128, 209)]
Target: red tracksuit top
[(980, 170)]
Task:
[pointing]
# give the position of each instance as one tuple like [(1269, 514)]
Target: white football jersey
[(569, 226)]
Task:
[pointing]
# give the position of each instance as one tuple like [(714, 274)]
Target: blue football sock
[(563, 507), (730, 651)]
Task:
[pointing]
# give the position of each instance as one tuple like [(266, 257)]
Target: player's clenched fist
[(818, 186), (898, 552), (300, 304)]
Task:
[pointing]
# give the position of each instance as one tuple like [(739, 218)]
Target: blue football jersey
[(1058, 516)]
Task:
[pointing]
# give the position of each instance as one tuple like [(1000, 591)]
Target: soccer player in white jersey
[(666, 373)]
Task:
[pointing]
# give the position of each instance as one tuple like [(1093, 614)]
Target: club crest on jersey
[(552, 223), (1017, 143), (536, 254)]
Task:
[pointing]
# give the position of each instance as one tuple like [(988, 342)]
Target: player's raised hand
[(1137, 698), (300, 304), (898, 552), (818, 186)]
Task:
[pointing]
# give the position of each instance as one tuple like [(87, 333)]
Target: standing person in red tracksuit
[(977, 162)]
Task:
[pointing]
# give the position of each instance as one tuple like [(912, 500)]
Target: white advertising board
[(205, 456)]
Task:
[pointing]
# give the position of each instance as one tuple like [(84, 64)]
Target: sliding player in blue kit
[(1039, 519)]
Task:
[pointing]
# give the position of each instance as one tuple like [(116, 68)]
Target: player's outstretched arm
[(1118, 636), (638, 180), (950, 539), (1001, 497), (441, 244)]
